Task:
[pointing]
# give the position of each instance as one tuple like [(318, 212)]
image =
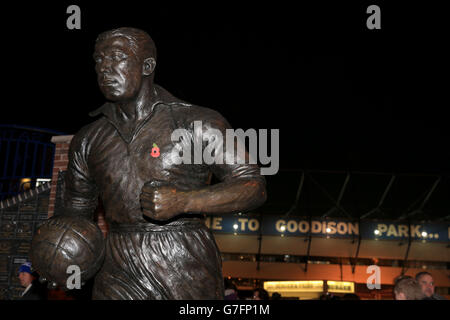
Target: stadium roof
[(359, 195)]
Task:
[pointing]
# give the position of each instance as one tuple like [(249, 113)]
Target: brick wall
[(61, 160), (59, 164)]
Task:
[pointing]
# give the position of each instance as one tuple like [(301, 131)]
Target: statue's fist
[(161, 201)]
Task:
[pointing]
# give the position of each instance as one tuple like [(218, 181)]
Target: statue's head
[(124, 58)]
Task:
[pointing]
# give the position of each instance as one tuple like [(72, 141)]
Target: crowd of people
[(421, 287)]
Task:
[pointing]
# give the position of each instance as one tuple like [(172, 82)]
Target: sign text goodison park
[(337, 228)]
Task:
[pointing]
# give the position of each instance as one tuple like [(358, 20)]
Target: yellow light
[(294, 286), (283, 228), (25, 183), (424, 234), (377, 232), (341, 286)]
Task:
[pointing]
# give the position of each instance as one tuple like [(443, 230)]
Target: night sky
[(344, 97)]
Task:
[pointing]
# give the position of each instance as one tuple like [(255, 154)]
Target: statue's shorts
[(178, 260)]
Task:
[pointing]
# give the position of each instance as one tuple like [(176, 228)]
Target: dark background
[(344, 97)]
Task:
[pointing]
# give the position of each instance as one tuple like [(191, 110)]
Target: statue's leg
[(113, 282), (108, 287), (184, 262), (180, 262)]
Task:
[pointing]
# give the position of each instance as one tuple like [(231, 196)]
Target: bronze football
[(64, 241)]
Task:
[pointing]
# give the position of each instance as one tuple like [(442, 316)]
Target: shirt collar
[(161, 96), (128, 130)]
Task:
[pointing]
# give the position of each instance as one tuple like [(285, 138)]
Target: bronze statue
[(158, 246)]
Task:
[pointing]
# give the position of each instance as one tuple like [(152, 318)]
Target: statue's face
[(119, 70)]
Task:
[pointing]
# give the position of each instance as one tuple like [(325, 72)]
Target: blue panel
[(333, 228)]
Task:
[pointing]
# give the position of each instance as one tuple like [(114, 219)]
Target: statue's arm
[(231, 196), (241, 186), (81, 193)]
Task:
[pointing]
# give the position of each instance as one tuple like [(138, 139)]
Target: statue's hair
[(141, 43)]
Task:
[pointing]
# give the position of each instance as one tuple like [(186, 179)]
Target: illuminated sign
[(293, 286), (309, 286), (330, 228), (341, 286)]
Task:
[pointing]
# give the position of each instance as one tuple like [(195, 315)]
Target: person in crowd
[(426, 282), (407, 288), (276, 296), (329, 296), (401, 277), (260, 294), (28, 280), (231, 292), (351, 296)]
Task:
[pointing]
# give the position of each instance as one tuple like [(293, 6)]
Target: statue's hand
[(161, 201)]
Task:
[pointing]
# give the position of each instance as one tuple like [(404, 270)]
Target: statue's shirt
[(112, 158)]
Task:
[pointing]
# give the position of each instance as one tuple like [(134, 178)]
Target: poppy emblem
[(155, 151)]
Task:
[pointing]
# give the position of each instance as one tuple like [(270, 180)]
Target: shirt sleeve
[(229, 159), (81, 193)]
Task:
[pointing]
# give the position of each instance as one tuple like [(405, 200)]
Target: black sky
[(343, 97)]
